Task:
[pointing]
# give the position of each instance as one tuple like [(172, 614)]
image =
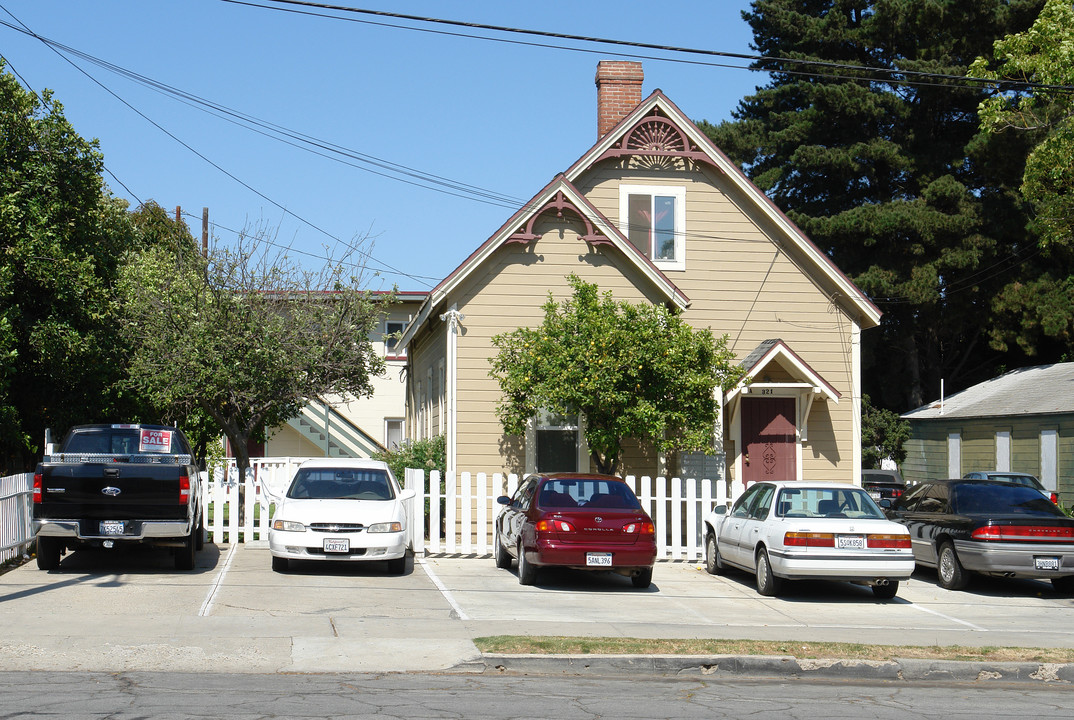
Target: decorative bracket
[(655, 136), (559, 204)]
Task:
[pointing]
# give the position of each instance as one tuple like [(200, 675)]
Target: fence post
[(481, 494), (450, 514), (434, 510)]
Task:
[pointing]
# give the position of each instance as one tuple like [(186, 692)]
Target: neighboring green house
[(1022, 421)]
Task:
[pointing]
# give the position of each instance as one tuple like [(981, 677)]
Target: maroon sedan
[(585, 522)]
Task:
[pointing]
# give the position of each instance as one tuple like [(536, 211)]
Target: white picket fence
[(461, 515), (461, 508), (16, 498)]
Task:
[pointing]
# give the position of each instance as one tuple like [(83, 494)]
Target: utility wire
[(894, 73), (218, 167)]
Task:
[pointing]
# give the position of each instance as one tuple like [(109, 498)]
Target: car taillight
[(641, 528), (38, 480), (184, 489), (896, 493), (554, 525), (1033, 533), (1054, 497), (808, 539), (889, 541)]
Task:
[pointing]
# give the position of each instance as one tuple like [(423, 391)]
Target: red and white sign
[(158, 441)]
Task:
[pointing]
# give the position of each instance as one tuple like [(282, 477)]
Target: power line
[(218, 167), (897, 76)]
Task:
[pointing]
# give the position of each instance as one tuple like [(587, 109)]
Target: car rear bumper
[(1014, 559), (552, 553), (362, 546), (833, 567), (135, 530)]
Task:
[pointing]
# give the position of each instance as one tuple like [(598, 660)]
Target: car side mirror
[(503, 500), (720, 509), (885, 503), (407, 494)]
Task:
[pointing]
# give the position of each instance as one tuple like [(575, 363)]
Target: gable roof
[(558, 196), (657, 127), (1038, 390), (775, 350)]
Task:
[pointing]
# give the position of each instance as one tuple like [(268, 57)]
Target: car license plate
[(1046, 563), (337, 545), (874, 494), (112, 527), (850, 542), (598, 559)]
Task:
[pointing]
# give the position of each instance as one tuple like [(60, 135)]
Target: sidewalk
[(233, 614)]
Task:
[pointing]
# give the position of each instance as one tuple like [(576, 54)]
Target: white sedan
[(809, 530), (341, 509)]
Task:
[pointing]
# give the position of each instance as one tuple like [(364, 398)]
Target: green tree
[(1041, 310), (62, 236), (630, 371), (883, 435), (892, 180), (246, 336), (427, 454)]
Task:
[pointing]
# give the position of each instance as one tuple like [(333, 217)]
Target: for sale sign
[(158, 441)]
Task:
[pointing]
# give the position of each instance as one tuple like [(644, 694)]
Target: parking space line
[(946, 617), (443, 589), (207, 606)]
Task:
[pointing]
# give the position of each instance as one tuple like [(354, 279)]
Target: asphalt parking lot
[(131, 610)]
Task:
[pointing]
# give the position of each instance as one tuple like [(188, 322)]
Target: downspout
[(855, 408), (453, 318)]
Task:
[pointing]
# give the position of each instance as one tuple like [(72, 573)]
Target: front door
[(768, 439)]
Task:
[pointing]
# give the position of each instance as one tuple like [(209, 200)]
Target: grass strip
[(556, 645)]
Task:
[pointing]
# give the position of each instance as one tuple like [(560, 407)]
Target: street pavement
[(131, 611)]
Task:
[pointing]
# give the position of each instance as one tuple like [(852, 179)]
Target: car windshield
[(1027, 480), (826, 502), (341, 484), (587, 493), (988, 499)]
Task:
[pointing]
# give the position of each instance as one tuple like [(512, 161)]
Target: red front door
[(768, 438)]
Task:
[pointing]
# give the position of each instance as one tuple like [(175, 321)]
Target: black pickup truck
[(112, 484)]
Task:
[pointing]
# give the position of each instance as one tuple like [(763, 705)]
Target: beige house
[(655, 213), (337, 426)]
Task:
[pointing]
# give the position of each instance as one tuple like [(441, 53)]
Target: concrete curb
[(779, 666)]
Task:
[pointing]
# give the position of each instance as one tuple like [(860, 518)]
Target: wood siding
[(743, 285)]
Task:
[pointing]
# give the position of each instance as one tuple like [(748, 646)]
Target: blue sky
[(502, 117)]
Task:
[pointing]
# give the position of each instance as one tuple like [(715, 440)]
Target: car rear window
[(341, 484), (989, 499), (587, 492), (826, 502)]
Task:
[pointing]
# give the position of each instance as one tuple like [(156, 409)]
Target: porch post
[(452, 317)]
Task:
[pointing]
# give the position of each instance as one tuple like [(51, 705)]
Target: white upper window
[(392, 330), (653, 218)]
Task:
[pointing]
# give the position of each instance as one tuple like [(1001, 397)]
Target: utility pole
[(205, 232)]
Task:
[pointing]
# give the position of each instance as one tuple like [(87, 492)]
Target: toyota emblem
[(599, 519)]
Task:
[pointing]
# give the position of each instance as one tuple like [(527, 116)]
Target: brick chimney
[(618, 92)]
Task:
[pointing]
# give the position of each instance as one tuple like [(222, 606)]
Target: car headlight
[(288, 525), (385, 527)]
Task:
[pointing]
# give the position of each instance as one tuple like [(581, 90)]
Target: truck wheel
[(184, 556), (200, 544), (48, 553)]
